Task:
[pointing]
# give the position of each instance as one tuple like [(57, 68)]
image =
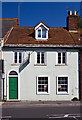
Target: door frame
[(8, 85)]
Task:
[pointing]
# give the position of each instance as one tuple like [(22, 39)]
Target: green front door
[(13, 88)]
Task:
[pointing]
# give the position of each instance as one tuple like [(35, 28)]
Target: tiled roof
[(57, 36), (43, 23), (6, 24)]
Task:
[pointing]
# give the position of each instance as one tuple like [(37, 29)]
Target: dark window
[(43, 33), (61, 57), (15, 57), (20, 57), (39, 33), (42, 57), (38, 57)]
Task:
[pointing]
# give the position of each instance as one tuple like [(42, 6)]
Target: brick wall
[(72, 22)]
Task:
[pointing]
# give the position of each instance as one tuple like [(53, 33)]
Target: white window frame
[(61, 58), (62, 93), (45, 56), (38, 27), (44, 93), (41, 38), (17, 57)]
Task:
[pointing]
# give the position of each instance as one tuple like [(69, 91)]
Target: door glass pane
[(13, 73)]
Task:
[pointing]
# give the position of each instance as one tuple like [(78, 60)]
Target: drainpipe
[(2, 66), (1, 48)]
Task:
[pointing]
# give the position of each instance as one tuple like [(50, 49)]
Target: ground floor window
[(62, 85), (42, 85)]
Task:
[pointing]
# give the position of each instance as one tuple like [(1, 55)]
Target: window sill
[(42, 93), (61, 65), (40, 65), (16, 64), (62, 93), (41, 39)]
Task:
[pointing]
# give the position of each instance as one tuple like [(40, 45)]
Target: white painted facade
[(27, 76)]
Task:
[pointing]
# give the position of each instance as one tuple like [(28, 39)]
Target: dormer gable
[(41, 31)]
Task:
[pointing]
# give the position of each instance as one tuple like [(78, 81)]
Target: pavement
[(55, 103), (1, 103)]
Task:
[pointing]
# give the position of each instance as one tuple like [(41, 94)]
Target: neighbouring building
[(6, 25), (43, 63)]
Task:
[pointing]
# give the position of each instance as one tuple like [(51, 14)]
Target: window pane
[(15, 57), (59, 58), (63, 58), (39, 33), (20, 57), (43, 33), (42, 57), (38, 57)]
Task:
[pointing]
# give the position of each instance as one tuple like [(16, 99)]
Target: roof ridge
[(22, 27), (8, 18)]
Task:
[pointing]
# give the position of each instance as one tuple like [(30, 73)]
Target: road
[(35, 110)]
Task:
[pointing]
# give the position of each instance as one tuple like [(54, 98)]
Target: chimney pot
[(69, 12), (75, 13)]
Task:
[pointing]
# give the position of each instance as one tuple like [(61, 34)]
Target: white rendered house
[(42, 63)]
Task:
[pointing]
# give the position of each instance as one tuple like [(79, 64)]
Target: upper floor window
[(41, 32), (18, 57), (40, 58), (61, 58)]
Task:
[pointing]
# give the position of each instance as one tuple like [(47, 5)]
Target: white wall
[(30, 72)]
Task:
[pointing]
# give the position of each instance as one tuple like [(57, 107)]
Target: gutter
[(43, 45)]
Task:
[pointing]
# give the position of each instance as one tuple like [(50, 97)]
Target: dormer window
[(41, 32)]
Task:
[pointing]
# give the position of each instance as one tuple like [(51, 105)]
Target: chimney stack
[(72, 21)]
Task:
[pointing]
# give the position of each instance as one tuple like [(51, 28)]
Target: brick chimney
[(72, 21)]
